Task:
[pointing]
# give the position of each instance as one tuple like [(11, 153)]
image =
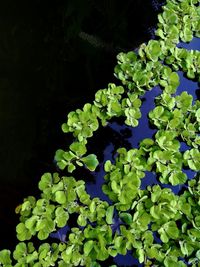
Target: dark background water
[(53, 57)]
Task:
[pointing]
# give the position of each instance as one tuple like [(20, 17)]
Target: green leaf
[(59, 155), (60, 197), (184, 101), (65, 128), (186, 208), (62, 217), (192, 158), (31, 222), (177, 177), (108, 166), (45, 223), (32, 257), (155, 195), (156, 112), (197, 114), (20, 251), (78, 148), (160, 33), (46, 181), (140, 254), (186, 248), (170, 262), (90, 161), (115, 187), (153, 50), (5, 257), (148, 238), (109, 214), (172, 230), (43, 234), (82, 220), (174, 80), (164, 237), (120, 245), (62, 164), (126, 217), (166, 100), (92, 206), (71, 167), (22, 232), (88, 246)]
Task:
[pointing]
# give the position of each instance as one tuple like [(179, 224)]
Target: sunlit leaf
[(60, 197), (90, 161), (5, 257), (109, 214)]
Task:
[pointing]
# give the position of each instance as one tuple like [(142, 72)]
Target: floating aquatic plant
[(158, 226)]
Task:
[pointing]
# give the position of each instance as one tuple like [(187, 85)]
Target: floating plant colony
[(155, 224)]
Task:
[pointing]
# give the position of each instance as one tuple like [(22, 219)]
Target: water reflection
[(127, 260), (193, 45), (188, 85)]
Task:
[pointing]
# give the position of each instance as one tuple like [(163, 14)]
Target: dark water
[(54, 56), (193, 45)]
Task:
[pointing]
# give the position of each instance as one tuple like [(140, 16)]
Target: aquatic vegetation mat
[(158, 226)]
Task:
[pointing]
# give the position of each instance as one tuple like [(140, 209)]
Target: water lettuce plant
[(159, 227)]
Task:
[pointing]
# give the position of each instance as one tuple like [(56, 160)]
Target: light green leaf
[(32, 257), (140, 254), (22, 232), (177, 177), (62, 217), (88, 246), (43, 234), (90, 161), (30, 223), (5, 257), (164, 237), (60, 197), (46, 181), (108, 166), (78, 148), (109, 214), (174, 81), (172, 230), (82, 220), (71, 167)]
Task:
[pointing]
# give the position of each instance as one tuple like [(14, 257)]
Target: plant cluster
[(158, 226)]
